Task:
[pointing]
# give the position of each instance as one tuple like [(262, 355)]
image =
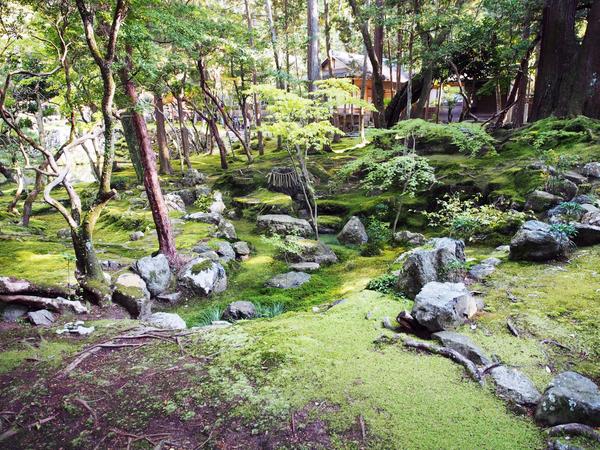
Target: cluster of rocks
[(560, 204), (38, 304)]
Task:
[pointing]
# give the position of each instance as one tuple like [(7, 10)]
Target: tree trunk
[(160, 213), (519, 111), (557, 49), (185, 143), (398, 104), (328, 36), (161, 136), (312, 60), (133, 145), (214, 130)]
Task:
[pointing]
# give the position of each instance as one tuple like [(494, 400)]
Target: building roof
[(351, 64)]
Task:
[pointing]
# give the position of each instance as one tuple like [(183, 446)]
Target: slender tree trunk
[(328, 36), (185, 143), (313, 66), (160, 213), (133, 145), (257, 116), (12, 206), (214, 129), (161, 136)]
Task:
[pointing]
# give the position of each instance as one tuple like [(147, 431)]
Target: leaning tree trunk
[(185, 144), (214, 131), (161, 136), (398, 104), (160, 213), (133, 145)]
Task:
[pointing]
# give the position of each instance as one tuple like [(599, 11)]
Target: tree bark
[(161, 135), (214, 131), (312, 60), (160, 213), (133, 145), (557, 49), (185, 143)]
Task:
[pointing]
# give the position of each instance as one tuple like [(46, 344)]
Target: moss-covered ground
[(307, 378)]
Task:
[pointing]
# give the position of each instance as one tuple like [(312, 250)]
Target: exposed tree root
[(574, 429)]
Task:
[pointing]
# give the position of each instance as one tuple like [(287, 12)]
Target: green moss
[(48, 352), (201, 266), (270, 368)]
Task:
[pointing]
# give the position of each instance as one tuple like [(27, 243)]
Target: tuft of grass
[(207, 316), (269, 311)]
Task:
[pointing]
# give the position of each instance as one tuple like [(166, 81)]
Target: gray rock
[(591, 218), (305, 266), (586, 235), (13, 312), (226, 230), (561, 214), (563, 188), (443, 306), (136, 235), (353, 233), (225, 251), (442, 263), (193, 177), (539, 201), (583, 198), (570, 398), (202, 247), (463, 345), (313, 251), (43, 318), (204, 276), (174, 202), (241, 249), (155, 271), (211, 254), (288, 280), (77, 328), (190, 195), (171, 298), (167, 321), (409, 238), (574, 177), (592, 170), (536, 241), (283, 224), (217, 206), (64, 233), (130, 291), (492, 261), (481, 271), (111, 265), (239, 310), (204, 217), (503, 248), (515, 387)]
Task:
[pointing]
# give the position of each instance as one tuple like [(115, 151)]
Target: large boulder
[(169, 321), (192, 177), (563, 188), (203, 276), (217, 206), (515, 387), (442, 263), (204, 217), (586, 234), (130, 291), (190, 195), (591, 218), (353, 233), (241, 249), (174, 202), (284, 225), (314, 252), (592, 170), (570, 398), (409, 238), (443, 306), (288, 280), (537, 241), (239, 310), (539, 201), (226, 230), (41, 318), (225, 251), (463, 345), (155, 271), (13, 312), (305, 266)]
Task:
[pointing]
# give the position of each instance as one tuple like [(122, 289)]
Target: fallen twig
[(556, 343), (448, 353), (577, 429), (512, 328), (363, 431), (86, 405), (489, 367)]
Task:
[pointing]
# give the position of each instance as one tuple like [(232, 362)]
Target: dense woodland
[(300, 224)]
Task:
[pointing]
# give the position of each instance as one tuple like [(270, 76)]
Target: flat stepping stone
[(305, 266), (289, 280)]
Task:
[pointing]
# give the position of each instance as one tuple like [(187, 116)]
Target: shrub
[(468, 138), (379, 233), (203, 203), (208, 316), (467, 220), (285, 247), (386, 284), (563, 230)]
